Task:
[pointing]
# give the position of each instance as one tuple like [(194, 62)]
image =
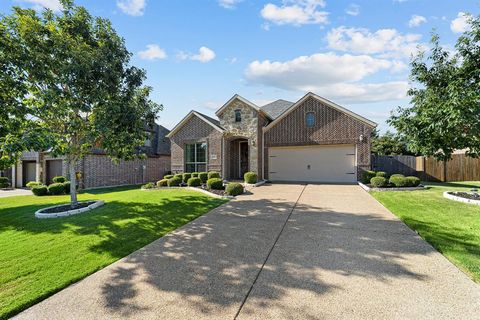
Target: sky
[(199, 53)]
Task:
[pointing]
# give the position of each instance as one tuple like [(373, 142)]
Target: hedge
[(66, 185), (250, 177), (32, 184), (40, 190), (379, 182), (194, 174), (215, 184), (162, 183), (174, 182), (148, 185), (56, 189), (398, 181), (234, 189), (168, 176), (59, 179), (381, 174), (4, 182), (186, 176), (194, 182), (367, 175), (203, 176), (213, 174), (412, 181)]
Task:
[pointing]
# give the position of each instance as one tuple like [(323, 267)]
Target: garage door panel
[(313, 164)]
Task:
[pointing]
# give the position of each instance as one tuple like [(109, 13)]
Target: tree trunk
[(73, 183)]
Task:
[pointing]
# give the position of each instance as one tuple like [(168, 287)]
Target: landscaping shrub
[(4, 182), (56, 189), (379, 182), (40, 190), (186, 176), (381, 174), (168, 176), (250, 177), (194, 174), (234, 189), (174, 182), (215, 184), (367, 175), (213, 174), (32, 184), (149, 185), (397, 175), (412, 181), (178, 176), (59, 179), (203, 176), (162, 183), (398, 181), (194, 182), (66, 185)]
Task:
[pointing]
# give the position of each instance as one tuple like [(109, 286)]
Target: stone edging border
[(194, 189), (368, 189), (40, 215), (450, 196)]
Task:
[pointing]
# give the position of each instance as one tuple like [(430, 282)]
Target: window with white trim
[(310, 119), (196, 157)]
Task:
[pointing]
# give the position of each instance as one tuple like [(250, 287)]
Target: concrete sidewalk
[(15, 192), (340, 255)]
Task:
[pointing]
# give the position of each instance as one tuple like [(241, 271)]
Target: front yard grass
[(452, 227), (38, 257)]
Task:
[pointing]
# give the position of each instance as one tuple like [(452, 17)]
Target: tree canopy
[(68, 84), (445, 99), (389, 144)]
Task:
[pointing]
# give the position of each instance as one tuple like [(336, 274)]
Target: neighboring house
[(311, 140), (97, 169)]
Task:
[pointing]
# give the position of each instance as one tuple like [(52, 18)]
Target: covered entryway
[(54, 169), (331, 164), (238, 158), (29, 172)]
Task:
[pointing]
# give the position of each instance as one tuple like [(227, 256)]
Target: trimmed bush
[(59, 179), (397, 175), (194, 182), (4, 182), (379, 182), (234, 189), (398, 181), (203, 176), (215, 184), (367, 175), (178, 176), (186, 176), (213, 174), (32, 184), (174, 182), (66, 185), (381, 174), (40, 190), (412, 181), (149, 185), (250, 177), (194, 174), (162, 183), (56, 189), (168, 176)]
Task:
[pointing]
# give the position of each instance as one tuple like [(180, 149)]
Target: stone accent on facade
[(196, 130)]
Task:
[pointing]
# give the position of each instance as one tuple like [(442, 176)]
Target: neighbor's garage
[(334, 164)]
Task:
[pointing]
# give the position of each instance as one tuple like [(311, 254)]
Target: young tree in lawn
[(76, 84), (445, 101)]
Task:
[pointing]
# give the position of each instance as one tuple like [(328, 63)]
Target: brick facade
[(194, 131), (331, 127)]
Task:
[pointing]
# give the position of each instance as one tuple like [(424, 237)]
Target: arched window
[(310, 119)]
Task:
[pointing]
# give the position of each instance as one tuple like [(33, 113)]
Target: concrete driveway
[(15, 192), (282, 252)]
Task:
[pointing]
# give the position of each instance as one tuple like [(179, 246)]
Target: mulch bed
[(67, 207), (466, 195)]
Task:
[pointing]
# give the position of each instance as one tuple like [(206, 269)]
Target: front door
[(243, 158), (29, 172)]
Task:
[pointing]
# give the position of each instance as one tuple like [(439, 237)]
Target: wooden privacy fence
[(459, 168)]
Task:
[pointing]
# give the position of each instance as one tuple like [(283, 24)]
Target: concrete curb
[(39, 214), (449, 195), (368, 189), (193, 189), (254, 184)]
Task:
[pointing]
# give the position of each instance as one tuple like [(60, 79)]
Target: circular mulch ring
[(65, 210), (464, 197)]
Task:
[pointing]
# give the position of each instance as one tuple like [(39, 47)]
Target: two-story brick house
[(312, 140)]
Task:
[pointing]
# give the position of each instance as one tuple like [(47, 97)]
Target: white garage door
[(313, 164)]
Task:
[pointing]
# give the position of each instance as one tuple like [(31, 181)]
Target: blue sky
[(199, 53)]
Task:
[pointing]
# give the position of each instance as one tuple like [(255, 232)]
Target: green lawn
[(38, 257), (452, 227)]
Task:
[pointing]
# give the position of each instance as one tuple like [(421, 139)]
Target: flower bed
[(465, 197), (66, 210)]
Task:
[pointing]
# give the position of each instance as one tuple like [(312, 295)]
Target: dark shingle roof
[(163, 143), (276, 108)]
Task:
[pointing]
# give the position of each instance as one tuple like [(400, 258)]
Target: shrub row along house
[(97, 169), (311, 140)]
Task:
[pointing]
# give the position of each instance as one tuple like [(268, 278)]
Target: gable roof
[(242, 99), (212, 122), (276, 108), (326, 102)]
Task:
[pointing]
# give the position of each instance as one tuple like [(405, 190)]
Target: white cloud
[(353, 10), (53, 5), (229, 4), (416, 20), (334, 76), (132, 7), (296, 12), (388, 42), (153, 52), (204, 55), (460, 24)]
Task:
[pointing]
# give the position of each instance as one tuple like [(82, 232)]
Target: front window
[(238, 116), (196, 157), (310, 119)]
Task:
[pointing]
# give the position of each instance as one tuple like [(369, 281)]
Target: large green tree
[(389, 144), (71, 87), (445, 99)]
